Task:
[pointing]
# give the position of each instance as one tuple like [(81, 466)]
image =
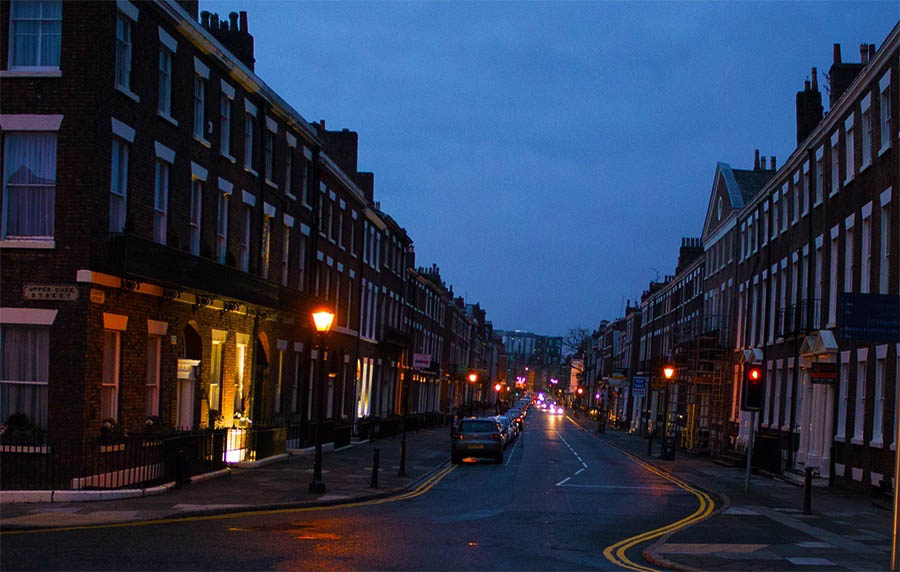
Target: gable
[(725, 192)]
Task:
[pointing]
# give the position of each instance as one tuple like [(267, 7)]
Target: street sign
[(62, 292), (869, 317), (619, 373), (639, 386), (421, 361), (823, 372)]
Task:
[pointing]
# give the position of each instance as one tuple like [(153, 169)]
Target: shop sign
[(421, 361), (64, 292)]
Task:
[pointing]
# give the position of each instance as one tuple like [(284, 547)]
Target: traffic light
[(754, 386)]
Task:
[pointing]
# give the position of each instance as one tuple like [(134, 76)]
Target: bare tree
[(576, 341)]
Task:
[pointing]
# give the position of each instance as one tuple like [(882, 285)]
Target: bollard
[(807, 491), (376, 454), (402, 471)]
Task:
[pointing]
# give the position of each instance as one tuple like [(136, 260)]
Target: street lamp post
[(668, 374), (473, 377), (402, 471), (322, 320)]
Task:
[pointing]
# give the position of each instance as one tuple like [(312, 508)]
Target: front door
[(184, 406), (816, 425)]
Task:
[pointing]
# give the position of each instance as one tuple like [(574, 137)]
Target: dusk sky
[(549, 156)]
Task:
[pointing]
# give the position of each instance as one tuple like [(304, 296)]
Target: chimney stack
[(243, 27), (809, 105), (871, 52), (756, 160), (236, 39), (863, 53), (762, 162), (772, 162), (842, 74)]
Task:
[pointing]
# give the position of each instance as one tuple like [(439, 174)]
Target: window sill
[(31, 73), (840, 438), (880, 152), (847, 181), (342, 247), (856, 441), (251, 171), (202, 141), (879, 444), (331, 240), (43, 244), (830, 325), (307, 206), (290, 195), (865, 166), (230, 159), (128, 93), (167, 117), (271, 184)]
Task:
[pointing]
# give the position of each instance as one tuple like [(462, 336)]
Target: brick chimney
[(691, 249), (809, 106), (841, 75), (233, 34)]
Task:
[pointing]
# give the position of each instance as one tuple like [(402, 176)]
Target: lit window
[(35, 32), (25, 372), (29, 184)]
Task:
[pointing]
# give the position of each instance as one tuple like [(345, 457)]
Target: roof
[(750, 182)]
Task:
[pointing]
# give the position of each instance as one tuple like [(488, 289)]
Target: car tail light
[(460, 436), (495, 436)]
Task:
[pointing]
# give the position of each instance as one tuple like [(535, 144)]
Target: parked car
[(507, 429), (477, 437), (516, 416)]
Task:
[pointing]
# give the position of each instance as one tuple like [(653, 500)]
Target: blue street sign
[(869, 317)]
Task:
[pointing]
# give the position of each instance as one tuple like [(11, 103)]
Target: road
[(559, 499)]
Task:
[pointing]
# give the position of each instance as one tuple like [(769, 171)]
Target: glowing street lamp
[(322, 319), (668, 371), (473, 377), (497, 387)]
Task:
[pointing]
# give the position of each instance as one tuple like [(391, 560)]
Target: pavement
[(766, 529), (347, 474)]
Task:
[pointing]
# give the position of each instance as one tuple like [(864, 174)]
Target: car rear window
[(478, 427)]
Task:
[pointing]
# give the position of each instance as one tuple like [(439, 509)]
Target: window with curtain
[(24, 372), (109, 391), (222, 229), (123, 52), (35, 34), (29, 184), (118, 185)]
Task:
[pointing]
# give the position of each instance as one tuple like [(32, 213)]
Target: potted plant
[(112, 435)]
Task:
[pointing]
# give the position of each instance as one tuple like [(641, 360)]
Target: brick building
[(173, 285)]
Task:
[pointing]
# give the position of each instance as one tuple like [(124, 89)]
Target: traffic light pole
[(749, 451)]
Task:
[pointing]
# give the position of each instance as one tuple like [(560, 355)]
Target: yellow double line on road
[(617, 553), (421, 489)]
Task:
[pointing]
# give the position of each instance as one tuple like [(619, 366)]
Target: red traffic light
[(580, 390), (754, 374)]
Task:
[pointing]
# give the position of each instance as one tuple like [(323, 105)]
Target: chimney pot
[(756, 160), (204, 18), (233, 17), (214, 21), (871, 52), (837, 53), (243, 21), (772, 162), (815, 80), (806, 85), (762, 162), (863, 53)]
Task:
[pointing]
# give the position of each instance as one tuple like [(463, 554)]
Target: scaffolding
[(702, 359)]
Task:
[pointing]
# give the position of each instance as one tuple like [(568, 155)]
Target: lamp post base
[(317, 487)]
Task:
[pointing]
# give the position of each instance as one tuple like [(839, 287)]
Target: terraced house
[(169, 222)]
